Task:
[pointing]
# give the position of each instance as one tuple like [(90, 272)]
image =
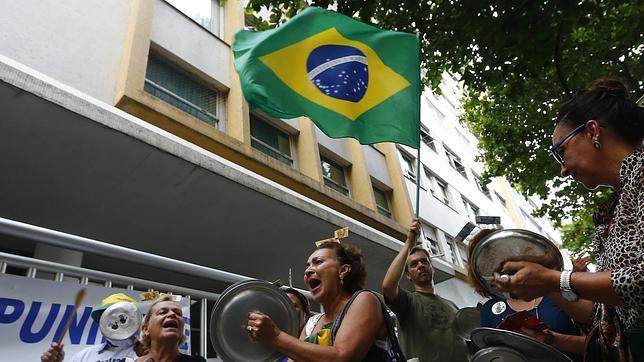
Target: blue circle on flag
[(339, 71)]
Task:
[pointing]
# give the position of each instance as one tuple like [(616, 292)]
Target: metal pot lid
[(228, 333), (498, 246), (498, 354), (526, 346), (467, 319), (120, 321)]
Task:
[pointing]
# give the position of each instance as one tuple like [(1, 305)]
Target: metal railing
[(73, 242)]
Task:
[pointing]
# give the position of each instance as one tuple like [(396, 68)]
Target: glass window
[(204, 12), (463, 254), (270, 140), (438, 188), (426, 138), (471, 210), (334, 175), (451, 254), (429, 233), (179, 90), (409, 167), (382, 201), (455, 162)]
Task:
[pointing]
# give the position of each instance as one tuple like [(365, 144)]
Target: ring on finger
[(504, 279), (249, 328)]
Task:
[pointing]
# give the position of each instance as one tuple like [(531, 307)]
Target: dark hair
[(349, 254), (608, 102), (417, 249), (306, 307)]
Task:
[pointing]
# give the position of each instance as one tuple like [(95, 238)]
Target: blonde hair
[(145, 338)]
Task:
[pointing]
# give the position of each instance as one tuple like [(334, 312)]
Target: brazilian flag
[(350, 78)]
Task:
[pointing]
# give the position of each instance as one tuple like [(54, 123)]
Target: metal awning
[(71, 163)]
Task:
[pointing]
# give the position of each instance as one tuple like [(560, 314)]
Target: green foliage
[(519, 60)]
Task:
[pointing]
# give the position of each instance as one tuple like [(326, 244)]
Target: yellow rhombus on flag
[(351, 79)]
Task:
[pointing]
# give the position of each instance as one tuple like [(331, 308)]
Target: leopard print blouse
[(619, 240)]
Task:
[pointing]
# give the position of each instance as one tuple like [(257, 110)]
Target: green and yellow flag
[(351, 79)]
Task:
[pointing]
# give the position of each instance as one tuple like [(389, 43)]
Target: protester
[(598, 141), (301, 304), (354, 325), (426, 320), (162, 333), (106, 351)]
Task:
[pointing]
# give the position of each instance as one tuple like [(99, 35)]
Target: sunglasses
[(556, 150)]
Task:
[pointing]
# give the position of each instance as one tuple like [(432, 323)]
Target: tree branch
[(557, 60)]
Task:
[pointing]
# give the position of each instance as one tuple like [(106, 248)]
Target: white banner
[(33, 313)]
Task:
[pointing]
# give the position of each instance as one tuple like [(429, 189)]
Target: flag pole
[(419, 134)]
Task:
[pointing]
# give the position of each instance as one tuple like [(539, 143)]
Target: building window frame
[(471, 210), (409, 166), (157, 65), (427, 139), (430, 236), (455, 162), (383, 203), (263, 145), (340, 185), (213, 20), (439, 188)]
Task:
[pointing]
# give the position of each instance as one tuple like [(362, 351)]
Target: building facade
[(451, 193), (125, 123)]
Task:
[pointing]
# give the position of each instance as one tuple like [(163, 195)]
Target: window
[(270, 140), (438, 188), (203, 12), (455, 162), (429, 233), (382, 201), (463, 254), (179, 90), (451, 254), (409, 168), (471, 210), (333, 175), (481, 187), (501, 199), (426, 138)]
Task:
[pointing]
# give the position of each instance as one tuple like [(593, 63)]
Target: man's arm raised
[(397, 267)]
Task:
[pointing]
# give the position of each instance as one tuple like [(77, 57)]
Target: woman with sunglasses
[(598, 141)]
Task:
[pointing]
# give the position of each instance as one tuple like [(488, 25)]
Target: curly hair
[(471, 278), (607, 101), (145, 338), (351, 255)]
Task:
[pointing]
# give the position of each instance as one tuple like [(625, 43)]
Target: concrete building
[(124, 122), (450, 192)]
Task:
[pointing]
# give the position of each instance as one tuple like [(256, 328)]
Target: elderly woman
[(354, 326), (598, 141), (162, 333)]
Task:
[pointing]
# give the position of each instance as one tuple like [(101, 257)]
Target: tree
[(519, 61)]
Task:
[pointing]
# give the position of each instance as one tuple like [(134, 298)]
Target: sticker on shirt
[(498, 308)]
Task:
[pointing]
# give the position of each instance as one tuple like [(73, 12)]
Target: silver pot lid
[(228, 333), (467, 319), (120, 321), (498, 246), (498, 354), (534, 350)]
